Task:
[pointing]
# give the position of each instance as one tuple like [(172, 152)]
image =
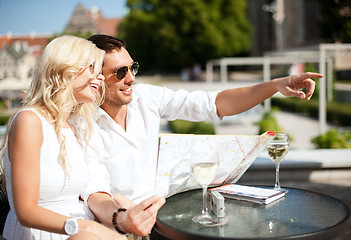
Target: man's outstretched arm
[(234, 101)]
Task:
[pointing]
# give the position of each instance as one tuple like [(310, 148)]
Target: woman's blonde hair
[(51, 91)]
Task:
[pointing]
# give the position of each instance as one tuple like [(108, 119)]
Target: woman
[(43, 158)]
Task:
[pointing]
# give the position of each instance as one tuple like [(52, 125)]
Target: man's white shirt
[(130, 156)]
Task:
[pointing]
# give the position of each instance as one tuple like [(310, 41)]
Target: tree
[(173, 34), (335, 23)]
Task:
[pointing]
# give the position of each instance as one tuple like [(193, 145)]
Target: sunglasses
[(122, 71)]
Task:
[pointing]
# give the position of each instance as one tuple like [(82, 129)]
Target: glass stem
[(277, 183), (204, 200)]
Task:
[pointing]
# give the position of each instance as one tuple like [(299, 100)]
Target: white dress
[(58, 192)]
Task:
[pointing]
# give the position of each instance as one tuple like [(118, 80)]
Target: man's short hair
[(107, 43)]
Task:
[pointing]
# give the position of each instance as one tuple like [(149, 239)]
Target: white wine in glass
[(277, 150), (204, 173)]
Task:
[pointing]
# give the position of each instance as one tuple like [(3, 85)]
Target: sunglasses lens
[(121, 73), (135, 68)]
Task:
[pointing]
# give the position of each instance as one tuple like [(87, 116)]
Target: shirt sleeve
[(99, 178), (181, 104)]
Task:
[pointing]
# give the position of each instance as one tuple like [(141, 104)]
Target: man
[(129, 118)]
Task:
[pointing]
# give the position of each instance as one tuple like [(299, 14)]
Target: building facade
[(92, 21), (19, 53), (283, 24)]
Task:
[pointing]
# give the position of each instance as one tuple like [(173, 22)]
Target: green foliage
[(337, 113), (269, 123), (171, 35), (186, 127), (333, 139), (4, 119), (309, 67), (335, 23)]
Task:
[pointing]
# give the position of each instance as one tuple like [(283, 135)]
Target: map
[(177, 152)]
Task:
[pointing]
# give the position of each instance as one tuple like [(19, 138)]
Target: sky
[(49, 16)]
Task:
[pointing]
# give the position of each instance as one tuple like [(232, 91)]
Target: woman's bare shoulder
[(26, 122)]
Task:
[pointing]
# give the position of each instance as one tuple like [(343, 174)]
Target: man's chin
[(118, 102)]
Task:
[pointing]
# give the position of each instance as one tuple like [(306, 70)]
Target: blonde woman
[(44, 153)]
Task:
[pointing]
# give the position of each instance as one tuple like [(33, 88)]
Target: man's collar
[(134, 103)]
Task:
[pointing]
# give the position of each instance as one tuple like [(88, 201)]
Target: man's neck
[(118, 114)]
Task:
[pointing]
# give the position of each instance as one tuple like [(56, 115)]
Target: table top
[(300, 214)]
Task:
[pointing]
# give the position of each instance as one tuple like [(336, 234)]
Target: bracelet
[(114, 220)]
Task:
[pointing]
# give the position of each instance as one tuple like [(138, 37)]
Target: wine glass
[(204, 170), (277, 150)]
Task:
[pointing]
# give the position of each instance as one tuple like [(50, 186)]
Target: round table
[(300, 214)]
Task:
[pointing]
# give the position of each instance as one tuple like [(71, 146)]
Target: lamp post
[(277, 10)]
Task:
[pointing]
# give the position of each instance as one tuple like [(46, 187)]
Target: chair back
[(4, 204)]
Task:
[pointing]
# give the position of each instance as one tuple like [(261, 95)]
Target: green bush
[(333, 139), (337, 113), (4, 119), (311, 67), (269, 123), (186, 127)]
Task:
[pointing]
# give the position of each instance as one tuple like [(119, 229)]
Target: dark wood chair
[(4, 206)]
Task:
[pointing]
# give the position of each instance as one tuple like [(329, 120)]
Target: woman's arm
[(24, 143)]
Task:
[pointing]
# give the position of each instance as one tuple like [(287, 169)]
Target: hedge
[(337, 113), (186, 127), (4, 119)]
